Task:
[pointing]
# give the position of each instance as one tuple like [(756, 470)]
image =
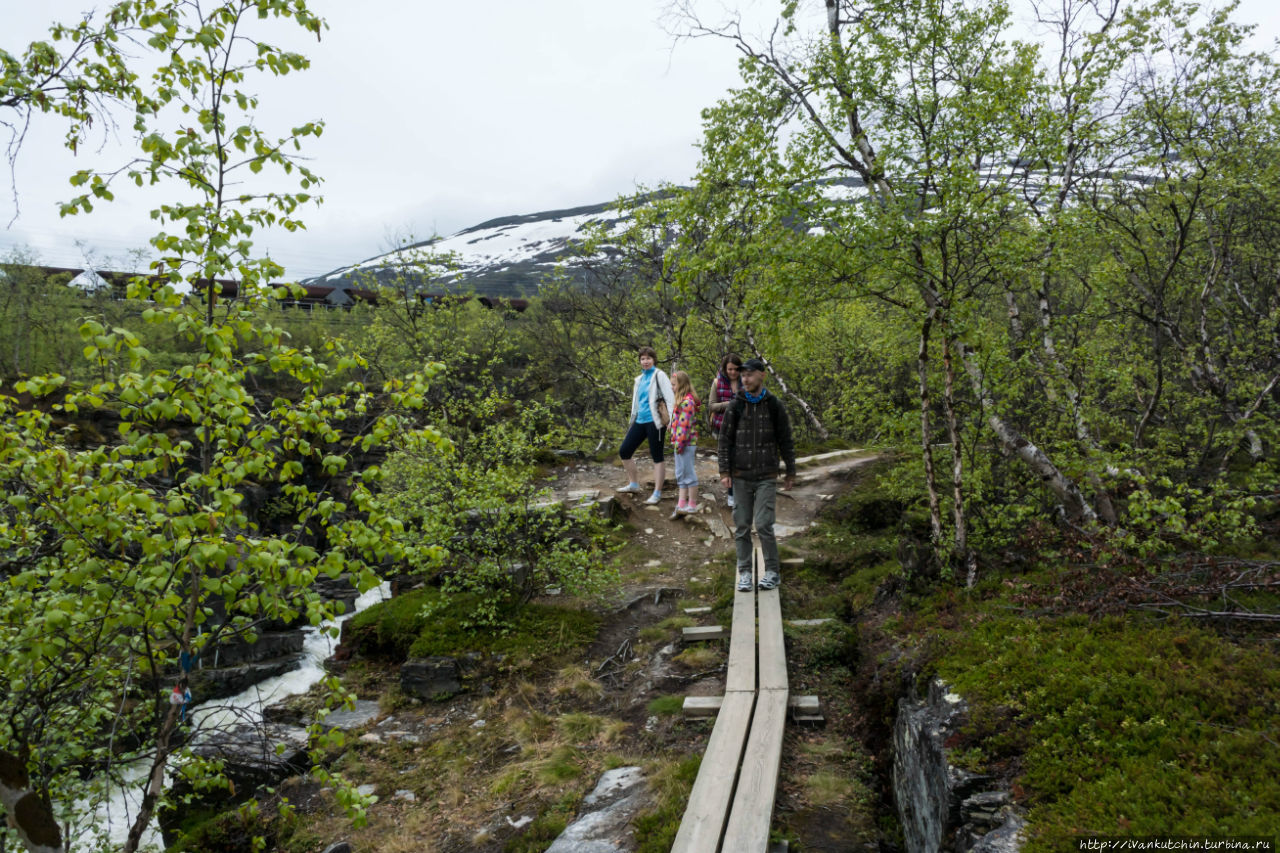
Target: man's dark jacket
[(753, 438)]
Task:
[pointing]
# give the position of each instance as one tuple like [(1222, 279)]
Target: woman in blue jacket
[(652, 401)]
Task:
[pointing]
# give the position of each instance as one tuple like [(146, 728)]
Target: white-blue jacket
[(662, 383)]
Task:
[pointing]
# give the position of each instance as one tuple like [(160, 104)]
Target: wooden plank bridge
[(731, 805)]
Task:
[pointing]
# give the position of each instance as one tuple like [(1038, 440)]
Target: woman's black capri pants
[(638, 433)]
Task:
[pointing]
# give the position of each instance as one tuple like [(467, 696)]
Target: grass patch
[(655, 830), (826, 788), (700, 657), (1121, 726), (576, 681), (544, 829), (583, 728), (833, 644), (666, 706), (667, 629)]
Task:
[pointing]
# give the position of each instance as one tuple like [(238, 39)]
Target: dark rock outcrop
[(267, 646), (228, 681), (943, 807), (431, 678)]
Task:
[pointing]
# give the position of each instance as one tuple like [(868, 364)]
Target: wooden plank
[(792, 561), (802, 708), (752, 810), (772, 647), (807, 623), (708, 807), (701, 707), (806, 710), (704, 632), (696, 611), (741, 673), (821, 457)]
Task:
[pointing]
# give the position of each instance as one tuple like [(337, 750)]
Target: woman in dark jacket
[(724, 388)]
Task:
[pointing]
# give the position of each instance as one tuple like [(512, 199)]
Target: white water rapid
[(112, 819)]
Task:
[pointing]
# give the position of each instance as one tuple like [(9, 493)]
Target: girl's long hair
[(682, 385)]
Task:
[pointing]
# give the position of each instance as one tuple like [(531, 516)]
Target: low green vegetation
[(1119, 725), (428, 622), (545, 828)]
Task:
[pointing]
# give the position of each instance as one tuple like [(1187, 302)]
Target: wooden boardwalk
[(731, 805)]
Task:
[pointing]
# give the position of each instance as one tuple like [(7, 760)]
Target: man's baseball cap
[(753, 364)]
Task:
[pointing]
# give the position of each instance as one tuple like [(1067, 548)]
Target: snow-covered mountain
[(507, 257)]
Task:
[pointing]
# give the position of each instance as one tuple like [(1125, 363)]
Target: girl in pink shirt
[(684, 435)]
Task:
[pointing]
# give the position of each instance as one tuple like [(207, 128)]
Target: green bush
[(477, 522)]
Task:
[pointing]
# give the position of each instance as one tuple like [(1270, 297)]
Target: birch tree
[(115, 556), (985, 166)]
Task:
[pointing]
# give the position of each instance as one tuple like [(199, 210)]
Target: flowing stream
[(116, 813)]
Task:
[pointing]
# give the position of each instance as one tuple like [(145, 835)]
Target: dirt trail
[(492, 727), (684, 543)]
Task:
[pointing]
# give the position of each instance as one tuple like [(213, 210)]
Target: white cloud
[(438, 116)]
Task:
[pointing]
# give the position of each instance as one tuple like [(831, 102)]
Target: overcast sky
[(439, 115)]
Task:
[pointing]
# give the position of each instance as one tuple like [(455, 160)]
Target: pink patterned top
[(684, 424)]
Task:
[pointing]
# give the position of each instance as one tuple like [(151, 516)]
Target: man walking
[(756, 434)]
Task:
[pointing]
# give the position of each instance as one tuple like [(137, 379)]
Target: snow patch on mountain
[(506, 257)]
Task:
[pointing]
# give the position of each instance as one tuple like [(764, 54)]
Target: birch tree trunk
[(1074, 504), (810, 415), (1074, 406), (961, 535), (926, 433)]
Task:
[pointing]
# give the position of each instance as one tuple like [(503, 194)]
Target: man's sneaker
[(729, 501), (770, 580), (745, 581), (629, 489), (654, 498)]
